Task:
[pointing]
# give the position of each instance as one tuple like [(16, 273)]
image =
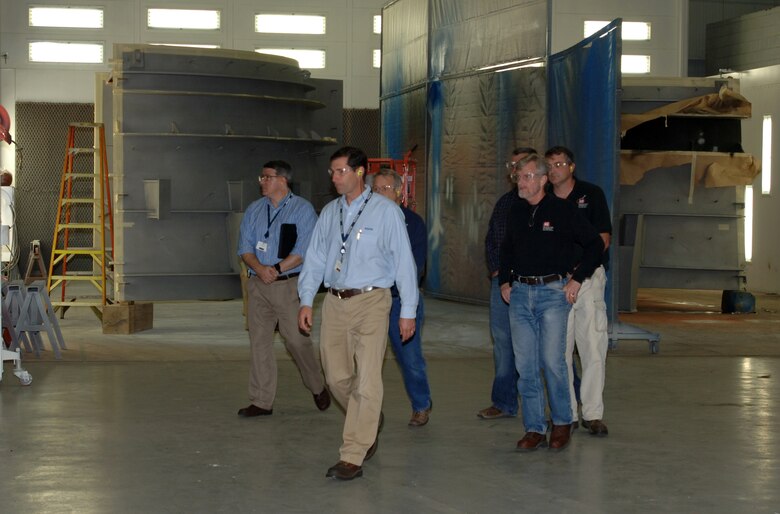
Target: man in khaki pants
[(359, 248), (274, 235)]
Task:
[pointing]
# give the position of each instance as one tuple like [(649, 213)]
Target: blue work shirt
[(261, 216), (377, 253)]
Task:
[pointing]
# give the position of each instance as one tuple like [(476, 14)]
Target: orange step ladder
[(83, 242)]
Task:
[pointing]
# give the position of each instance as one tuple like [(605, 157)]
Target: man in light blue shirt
[(275, 232), (359, 249)]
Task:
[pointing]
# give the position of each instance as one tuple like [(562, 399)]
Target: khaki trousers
[(587, 329), (269, 305), (353, 340)]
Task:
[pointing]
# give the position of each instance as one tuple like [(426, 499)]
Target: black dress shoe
[(322, 400), (253, 410), (344, 471), (596, 427), (372, 449)]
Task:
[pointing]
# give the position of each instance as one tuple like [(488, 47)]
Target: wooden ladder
[(84, 230)]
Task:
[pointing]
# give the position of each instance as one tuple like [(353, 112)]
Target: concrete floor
[(147, 423)]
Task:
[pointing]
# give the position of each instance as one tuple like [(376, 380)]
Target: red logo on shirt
[(547, 227)]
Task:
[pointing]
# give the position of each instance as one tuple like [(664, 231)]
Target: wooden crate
[(127, 317)]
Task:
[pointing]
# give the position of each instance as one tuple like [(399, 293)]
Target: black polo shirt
[(591, 203), (547, 238)]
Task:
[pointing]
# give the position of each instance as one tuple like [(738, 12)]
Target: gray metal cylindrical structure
[(191, 130)]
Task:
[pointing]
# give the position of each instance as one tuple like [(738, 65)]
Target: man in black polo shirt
[(588, 317), (539, 251)]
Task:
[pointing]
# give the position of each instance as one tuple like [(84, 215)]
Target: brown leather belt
[(343, 294), (287, 277), (538, 281)]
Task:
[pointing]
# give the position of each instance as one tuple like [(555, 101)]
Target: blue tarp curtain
[(583, 115)]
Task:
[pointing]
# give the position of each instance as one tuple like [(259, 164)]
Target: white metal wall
[(761, 87), (668, 47), (349, 42)]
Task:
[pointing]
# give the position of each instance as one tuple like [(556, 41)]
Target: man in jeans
[(548, 243), (504, 393), (408, 353)]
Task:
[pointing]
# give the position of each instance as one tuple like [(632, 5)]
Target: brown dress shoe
[(421, 418), (595, 427), (344, 471), (322, 400), (560, 436), (493, 413), (253, 410), (531, 441)]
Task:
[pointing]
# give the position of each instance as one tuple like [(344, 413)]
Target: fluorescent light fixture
[(529, 65), (635, 64), (534, 62), (378, 24), (186, 45), (66, 17), (631, 30), (766, 156), (748, 223), (289, 24), (377, 60), (309, 59), (66, 52), (198, 19)]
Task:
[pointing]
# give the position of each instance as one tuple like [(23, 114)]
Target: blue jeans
[(538, 316), (504, 394), (410, 357)]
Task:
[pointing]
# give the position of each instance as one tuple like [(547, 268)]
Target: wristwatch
[(277, 268)]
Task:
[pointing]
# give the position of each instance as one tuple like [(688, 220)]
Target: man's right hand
[(305, 319), (506, 292), (267, 274)]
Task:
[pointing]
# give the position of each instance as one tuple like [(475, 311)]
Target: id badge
[(338, 266), (262, 246)]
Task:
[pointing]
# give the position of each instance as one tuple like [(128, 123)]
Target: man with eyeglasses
[(537, 256), (587, 327), (408, 353), (359, 249), (274, 234), (504, 392)]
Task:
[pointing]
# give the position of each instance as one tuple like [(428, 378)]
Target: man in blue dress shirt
[(359, 249), (408, 353), (274, 235)]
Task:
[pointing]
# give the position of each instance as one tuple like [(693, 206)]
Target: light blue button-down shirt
[(378, 252), (255, 223)]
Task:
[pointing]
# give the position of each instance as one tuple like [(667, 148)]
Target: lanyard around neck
[(270, 219), (345, 236)]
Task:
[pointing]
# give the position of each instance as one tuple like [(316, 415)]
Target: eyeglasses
[(525, 177), (558, 164), (339, 171), (382, 189), (266, 178)]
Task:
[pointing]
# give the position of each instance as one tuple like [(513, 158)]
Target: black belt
[(537, 281), (343, 294)]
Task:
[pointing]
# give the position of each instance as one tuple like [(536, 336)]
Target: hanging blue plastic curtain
[(583, 115)]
